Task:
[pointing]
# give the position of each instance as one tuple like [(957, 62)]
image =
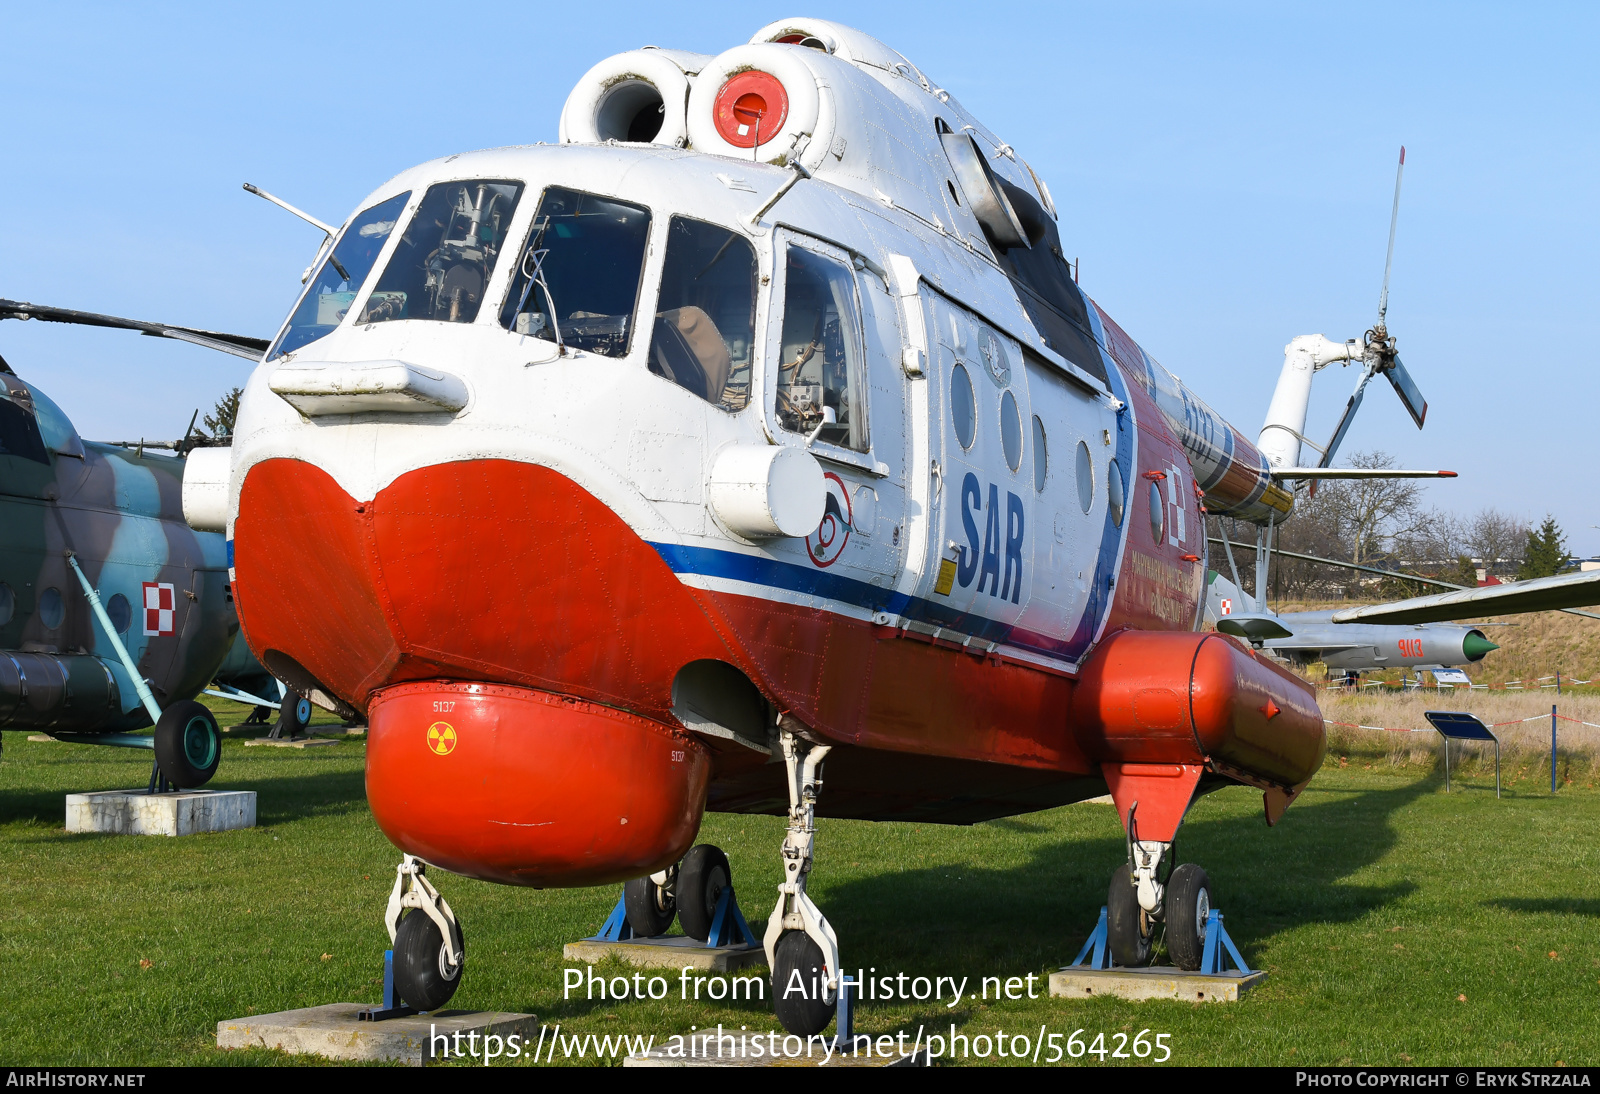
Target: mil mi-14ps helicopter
[(757, 423)]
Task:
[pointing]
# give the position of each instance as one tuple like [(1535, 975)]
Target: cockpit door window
[(577, 278), (442, 263), (706, 315), (334, 286), (820, 363)]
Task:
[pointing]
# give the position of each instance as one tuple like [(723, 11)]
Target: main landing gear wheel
[(702, 877), (293, 716), (1130, 928), (651, 904), (802, 949), (188, 744), (423, 974), (798, 985), (1188, 907)]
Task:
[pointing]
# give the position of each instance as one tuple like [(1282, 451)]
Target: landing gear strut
[(802, 950), (1142, 895), (428, 948)]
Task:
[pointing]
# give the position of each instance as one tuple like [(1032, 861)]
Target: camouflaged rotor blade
[(237, 344)]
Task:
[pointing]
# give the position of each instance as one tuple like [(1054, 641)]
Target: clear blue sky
[(1224, 171)]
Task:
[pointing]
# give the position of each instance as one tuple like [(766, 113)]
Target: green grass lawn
[(1375, 905)]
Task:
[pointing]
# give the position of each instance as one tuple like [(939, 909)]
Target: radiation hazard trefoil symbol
[(442, 738)]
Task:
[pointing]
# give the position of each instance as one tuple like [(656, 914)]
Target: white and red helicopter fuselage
[(582, 565)]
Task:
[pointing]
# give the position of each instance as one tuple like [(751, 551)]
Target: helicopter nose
[(488, 570), (513, 643)]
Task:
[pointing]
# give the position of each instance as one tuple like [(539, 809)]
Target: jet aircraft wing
[(237, 344), (1542, 594)]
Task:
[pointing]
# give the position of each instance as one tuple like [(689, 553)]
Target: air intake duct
[(638, 97)]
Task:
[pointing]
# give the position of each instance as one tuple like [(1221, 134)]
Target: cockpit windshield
[(442, 263), (577, 282), (336, 282)]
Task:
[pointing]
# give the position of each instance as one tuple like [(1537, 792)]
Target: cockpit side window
[(820, 363), (706, 314), (19, 430), (577, 281), (442, 263), (334, 286)]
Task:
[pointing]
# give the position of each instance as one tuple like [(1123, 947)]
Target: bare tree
[(1374, 513), (1496, 541)]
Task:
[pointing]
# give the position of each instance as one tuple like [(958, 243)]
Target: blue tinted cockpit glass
[(446, 254), (338, 280)]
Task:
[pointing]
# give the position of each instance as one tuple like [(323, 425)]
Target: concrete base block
[(179, 813), (334, 1031), (816, 1054), (1162, 982), (669, 952), (282, 742)]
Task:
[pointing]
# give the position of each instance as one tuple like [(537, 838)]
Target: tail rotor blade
[(1344, 421), (1394, 218), (1410, 394)]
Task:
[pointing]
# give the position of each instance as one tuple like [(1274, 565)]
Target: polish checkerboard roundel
[(160, 608), (826, 543)]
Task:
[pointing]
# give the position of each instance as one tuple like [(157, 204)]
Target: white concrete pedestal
[(334, 1031), (178, 813)]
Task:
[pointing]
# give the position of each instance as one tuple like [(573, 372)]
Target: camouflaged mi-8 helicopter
[(77, 516)]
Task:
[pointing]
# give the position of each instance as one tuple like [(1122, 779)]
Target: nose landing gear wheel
[(1130, 928), (423, 975), (1188, 906), (651, 907), (701, 880), (798, 995), (188, 744)]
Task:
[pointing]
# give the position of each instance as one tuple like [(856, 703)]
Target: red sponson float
[(528, 788), (1157, 709)]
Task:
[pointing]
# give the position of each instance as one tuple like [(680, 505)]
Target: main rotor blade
[(1394, 218), (1356, 473), (1363, 569), (239, 345), (1410, 394), (1562, 592)]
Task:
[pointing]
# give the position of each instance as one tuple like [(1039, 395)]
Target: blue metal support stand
[(1211, 960), (728, 927), (393, 1006), (615, 928), (1099, 945), (844, 1015)]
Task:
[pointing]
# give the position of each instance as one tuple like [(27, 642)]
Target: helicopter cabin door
[(834, 342)]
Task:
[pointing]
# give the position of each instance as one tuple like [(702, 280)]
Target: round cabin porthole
[(1115, 498), (1041, 457), (963, 406), (1085, 476), (1010, 431), (120, 614), (51, 611), (1158, 512)]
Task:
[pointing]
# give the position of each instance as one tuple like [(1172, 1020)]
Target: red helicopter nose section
[(527, 788)]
